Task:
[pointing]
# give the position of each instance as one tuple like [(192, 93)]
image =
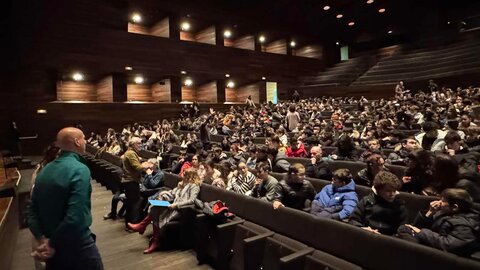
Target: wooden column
[(174, 28), (221, 91), (176, 88), (119, 81)]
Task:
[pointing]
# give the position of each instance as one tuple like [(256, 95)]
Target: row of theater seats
[(262, 238)]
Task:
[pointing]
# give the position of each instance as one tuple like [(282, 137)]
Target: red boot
[(153, 241), (140, 227)]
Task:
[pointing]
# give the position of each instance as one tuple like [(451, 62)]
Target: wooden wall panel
[(105, 89), (228, 42), (76, 91), (161, 91), (249, 90), (207, 92), (279, 47), (230, 95), (138, 29), (187, 36), (310, 51), (161, 28), (246, 43), (206, 36), (188, 93), (139, 92)]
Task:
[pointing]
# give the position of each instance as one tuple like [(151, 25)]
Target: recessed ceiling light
[(337, 43), (264, 78), (183, 72), (188, 82), (185, 26), (390, 31), (128, 68), (326, 7), (136, 17), (369, 1), (261, 38), (382, 10), (448, 22), (351, 23), (293, 44), (230, 84), (227, 75), (138, 79), (339, 16), (227, 33), (77, 76)]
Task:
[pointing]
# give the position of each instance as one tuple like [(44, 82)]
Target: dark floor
[(119, 249)]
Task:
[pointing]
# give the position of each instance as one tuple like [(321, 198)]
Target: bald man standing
[(59, 213)]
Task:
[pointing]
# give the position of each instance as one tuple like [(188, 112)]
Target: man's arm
[(32, 217)]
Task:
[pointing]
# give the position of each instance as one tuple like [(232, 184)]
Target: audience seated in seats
[(432, 137), (208, 173), (337, 200), (450, 224), (375, 164), (294, 191), (153, 178), (346, 149), (318, 166), (419, 171), (252, 157), (381, 211), (445, 175), (277, 160), (453, 145), (265, 184), (400, 156), (297, 149), (183, 195), (190, 162), (178, 163), (237, 155), (241, 180), (373, 148)]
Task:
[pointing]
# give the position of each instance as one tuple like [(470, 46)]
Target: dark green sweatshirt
[(60, 203)]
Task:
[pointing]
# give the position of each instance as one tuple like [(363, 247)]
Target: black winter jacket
[(374, 211), (319, 170), (294, 195), (453, 233)]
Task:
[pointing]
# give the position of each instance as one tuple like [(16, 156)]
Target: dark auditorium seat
[(248, 243), (284, 253), (321, 260)]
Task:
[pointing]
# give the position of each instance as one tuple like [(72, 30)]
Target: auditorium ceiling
[(322, 20)]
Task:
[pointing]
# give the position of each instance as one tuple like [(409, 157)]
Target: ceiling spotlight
[(230, 84), (264, 78), (448, 22), (351, 23), (185, 26), (369, 1), (136, 18), (261, 39), (188, 82), (337, 43), (339, 16), (77, 76), (382, 10), (128, 68), (183, 72), (227, 33), (390, 31), (326, 7), (138, 79), (227, 75), (292, 43)]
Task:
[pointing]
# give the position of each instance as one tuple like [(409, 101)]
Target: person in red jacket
[(297, 149)]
